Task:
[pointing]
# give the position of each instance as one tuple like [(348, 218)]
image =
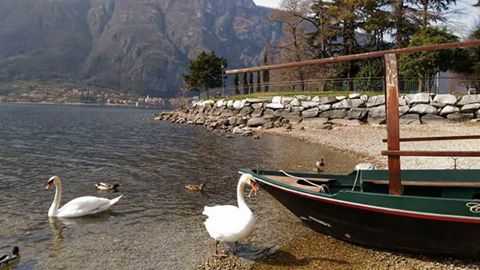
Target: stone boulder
[(327, 100), (449, 109), (256, 122), (470, 108), (295, 103), (410, 119), (309, 104), (459, 117), (375, 101), (377, 112), (403, 109), (246, 111), (446, 99), (257, 113), (277, 100), (423, 109), (338, 114), (354, 95), (418, 98), (239, 104), (349, 103), (469, 99), (432, 119), (313, 112), (324, 107), (357, 113), (275, 106), (257, 106)]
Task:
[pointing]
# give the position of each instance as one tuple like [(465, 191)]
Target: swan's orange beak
[(254, 186)]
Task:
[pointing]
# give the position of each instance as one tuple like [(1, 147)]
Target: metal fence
[(439, 85)]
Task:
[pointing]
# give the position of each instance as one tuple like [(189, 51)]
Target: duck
[(196, 187), (319, 164), (78, 207), (229, 223), (107, 186), (9, 260)]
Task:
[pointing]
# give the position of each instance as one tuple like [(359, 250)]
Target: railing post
[(393, 126)]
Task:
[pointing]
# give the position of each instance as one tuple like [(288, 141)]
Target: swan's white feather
[(228, 223), (86, 205)]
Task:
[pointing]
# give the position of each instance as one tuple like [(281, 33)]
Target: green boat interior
[(460, 184)]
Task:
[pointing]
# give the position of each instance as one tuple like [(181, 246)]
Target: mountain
[(140, 46)]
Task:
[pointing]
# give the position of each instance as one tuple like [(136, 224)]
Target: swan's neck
[(56, 201), (240, 198)]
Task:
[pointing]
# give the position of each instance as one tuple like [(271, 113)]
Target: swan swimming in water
[(81, 206), (229, 223)]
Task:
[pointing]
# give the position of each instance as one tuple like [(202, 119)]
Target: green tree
[(426, 65), (205, 71), (431, 11)]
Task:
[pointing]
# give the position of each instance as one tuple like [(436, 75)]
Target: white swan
[(228, 223), (78, 207)]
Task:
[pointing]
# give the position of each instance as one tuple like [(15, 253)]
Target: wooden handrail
[(425, 48), (416, 153), (439, 138)]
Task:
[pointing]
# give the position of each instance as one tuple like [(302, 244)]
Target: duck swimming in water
[(10, 260), (107, 186), (195, 187)]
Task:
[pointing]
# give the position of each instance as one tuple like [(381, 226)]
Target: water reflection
[(57, 237)]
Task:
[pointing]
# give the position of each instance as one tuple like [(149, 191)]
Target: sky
[(461, 24)]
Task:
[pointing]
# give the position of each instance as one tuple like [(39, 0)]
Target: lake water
[(158, 223)]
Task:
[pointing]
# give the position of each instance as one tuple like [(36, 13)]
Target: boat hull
[(381, 230)]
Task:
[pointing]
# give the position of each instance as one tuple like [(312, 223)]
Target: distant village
[(79, 96)]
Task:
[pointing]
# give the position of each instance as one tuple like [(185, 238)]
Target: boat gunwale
[(332, 198)]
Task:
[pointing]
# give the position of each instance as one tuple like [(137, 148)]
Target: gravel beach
[(365, 141)]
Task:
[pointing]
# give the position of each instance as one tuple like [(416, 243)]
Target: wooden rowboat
[(438, 213)]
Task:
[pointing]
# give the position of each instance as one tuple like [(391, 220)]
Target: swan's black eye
[(50, 181)]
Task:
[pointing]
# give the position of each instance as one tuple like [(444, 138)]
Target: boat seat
[(297, 182), (426, 183)]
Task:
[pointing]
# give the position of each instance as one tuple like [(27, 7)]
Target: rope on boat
[(359, 168), (323, 188)]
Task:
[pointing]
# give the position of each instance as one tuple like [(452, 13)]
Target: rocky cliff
[(132, 45)]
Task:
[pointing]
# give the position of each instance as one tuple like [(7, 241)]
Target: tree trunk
[(399, 17)]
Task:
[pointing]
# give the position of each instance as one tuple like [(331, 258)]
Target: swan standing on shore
[(228, 223), (78, 207)]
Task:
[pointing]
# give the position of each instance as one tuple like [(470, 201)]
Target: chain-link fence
[(439, 85)]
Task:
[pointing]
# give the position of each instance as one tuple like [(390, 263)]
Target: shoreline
[(311, 250)]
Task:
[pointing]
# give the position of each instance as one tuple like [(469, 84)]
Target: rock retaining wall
[(242, 116)]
